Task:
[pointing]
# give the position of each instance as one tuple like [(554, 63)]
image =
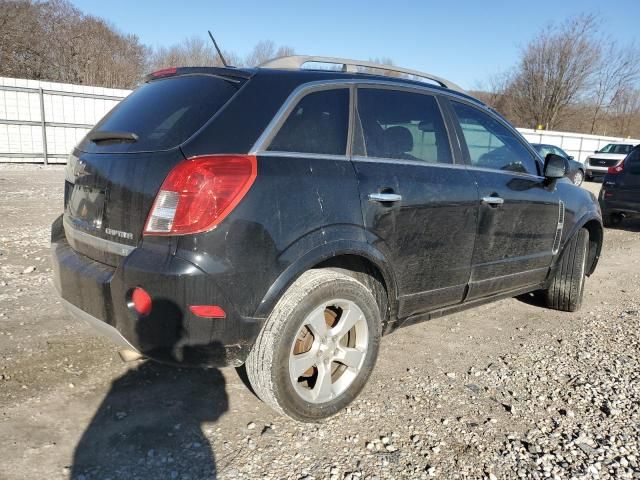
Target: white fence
[(42, 121), (577, 145)]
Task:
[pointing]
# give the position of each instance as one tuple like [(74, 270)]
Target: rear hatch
[(114, 174)]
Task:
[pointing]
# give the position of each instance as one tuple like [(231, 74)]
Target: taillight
[(617, 169), (199, 193)]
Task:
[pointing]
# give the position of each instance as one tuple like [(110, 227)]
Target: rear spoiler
[(228, 73)]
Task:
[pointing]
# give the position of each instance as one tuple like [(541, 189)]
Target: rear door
[(419, 206), (520, 214), (112, 180)]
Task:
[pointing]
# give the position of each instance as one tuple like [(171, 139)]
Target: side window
[(401, 125), (491, 144), (318, 124)]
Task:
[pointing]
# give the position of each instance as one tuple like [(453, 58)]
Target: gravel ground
[(507, 390)]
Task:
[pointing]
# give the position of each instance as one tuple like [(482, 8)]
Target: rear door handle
[(385, 197), (493, 201)]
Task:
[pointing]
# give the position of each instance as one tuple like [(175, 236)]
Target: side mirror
[(555, 166), (595, 151), (570, 157)]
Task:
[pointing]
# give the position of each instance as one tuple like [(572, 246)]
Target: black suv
[(286, 218), (620, 192)]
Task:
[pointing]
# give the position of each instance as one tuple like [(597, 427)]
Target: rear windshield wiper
[(97, 137)]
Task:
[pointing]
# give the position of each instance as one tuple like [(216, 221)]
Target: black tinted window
[(633, 157), (491, 144), (401, 125), (165, 113), (318, 124)]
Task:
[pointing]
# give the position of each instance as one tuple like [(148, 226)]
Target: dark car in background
[(576, 171), (286, 218), (620, 193)]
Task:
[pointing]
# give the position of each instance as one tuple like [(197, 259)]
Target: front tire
[(318, 347), (567, 286)]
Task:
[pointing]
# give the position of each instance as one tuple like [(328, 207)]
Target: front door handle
[(385, 197), (493, 201)]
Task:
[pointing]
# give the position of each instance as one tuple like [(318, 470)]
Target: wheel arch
[(593, 225), (358, 259)]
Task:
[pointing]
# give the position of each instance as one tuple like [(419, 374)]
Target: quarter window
[(401, 125), (491, 144), (318, 124)]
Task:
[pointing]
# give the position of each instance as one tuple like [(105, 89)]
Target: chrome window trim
[(402, 161), (324, 156), (263, 141), (459, 166), (74, 235)]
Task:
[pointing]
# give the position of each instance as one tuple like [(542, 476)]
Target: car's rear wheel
[(567, 286), (612, 219), (318, 347)]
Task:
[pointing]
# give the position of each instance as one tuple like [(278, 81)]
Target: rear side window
[(401, 125), (634, 157), (164, 113), (319, 123), (491, 144)]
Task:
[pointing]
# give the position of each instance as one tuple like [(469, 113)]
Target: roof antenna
[(224, 62)]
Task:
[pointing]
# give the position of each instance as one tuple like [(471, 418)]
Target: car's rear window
[(164, 113)]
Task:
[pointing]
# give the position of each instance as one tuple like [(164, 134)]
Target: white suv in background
[(610, 155)]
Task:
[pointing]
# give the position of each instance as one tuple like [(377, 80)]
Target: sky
[(465, 41)]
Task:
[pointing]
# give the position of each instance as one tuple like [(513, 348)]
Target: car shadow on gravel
[(150, 425)]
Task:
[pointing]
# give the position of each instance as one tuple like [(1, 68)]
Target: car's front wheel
[(318, 347), (578, 178), (567, 285)]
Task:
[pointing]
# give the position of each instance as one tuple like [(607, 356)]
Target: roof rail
[(295, 62)]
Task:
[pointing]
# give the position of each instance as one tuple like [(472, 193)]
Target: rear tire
[(567, 286), (324, 318), (612, 219)]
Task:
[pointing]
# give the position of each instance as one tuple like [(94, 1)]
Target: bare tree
[(555, 70), (626, 113), (497, 93), (616, 73), (266, 50), (55, 41), (191, 52)]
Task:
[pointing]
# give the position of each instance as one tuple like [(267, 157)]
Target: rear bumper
[(98, 294), (98, 325)]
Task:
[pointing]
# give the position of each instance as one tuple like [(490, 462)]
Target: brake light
[(199, 193), (617, 169), (164, 72), (141, 301)]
